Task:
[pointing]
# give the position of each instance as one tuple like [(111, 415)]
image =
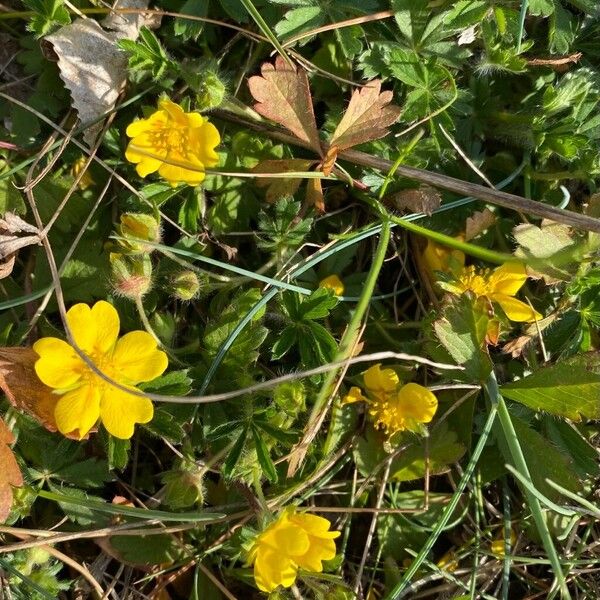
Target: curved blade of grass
[(138, 513), (403, 584), (24, 299), (592, 508), (514, 447), (567, 512)]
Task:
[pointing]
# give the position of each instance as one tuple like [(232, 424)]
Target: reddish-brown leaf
[(367, 117), (280, 187), (23, 389), (283, 95), (10, 474), (423, 199), (314, 195), (329, 160), (478, 222)]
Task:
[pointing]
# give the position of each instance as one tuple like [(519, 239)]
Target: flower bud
[(184, 486), (186, 285), (137, 228), (205, 81), (290, 397), (131, 275)]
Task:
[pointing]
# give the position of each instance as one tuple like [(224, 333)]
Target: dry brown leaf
[(423, 199), (478, 222), (10, 242), (329, 160), (283, 95), (23, 389), (10, 474), (92, 66), (280, 187), (367, 117), (314, 195)]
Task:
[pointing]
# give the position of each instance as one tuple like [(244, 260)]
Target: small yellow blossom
[(394, 407), (85, 397), (497, 546), (438, 257), (448, 562), (294, 541), (86, 179), (499, 286), (179, 145), (333, 283)]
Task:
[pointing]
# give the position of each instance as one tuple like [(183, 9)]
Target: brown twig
[(445, 182)]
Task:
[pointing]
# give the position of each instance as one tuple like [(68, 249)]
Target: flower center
[(173, 139), (475, 282), (103, 362)]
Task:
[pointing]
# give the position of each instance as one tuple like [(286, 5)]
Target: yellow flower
[(448, 562), (497, 546), (85, 396), (86, 179), (500, 286), (438, 257), (294, 541), (177, 144), (392, 406), (333, 283)]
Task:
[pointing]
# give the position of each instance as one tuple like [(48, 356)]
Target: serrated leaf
[(284, 342), (49, 14), (283, 95), (568, 389), (318, 305), (285, 437), (367, 117), (146, 549), (462, 330), (118, 452), (264, 457)]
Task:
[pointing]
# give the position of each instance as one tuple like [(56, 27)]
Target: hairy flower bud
[(138, 228), (185, 285), (131, 275), (204, 79)]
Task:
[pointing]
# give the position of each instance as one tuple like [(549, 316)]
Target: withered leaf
[(10, 242), (478, 222), (367, 117), (280, 187), (423, 199), (283, 95), (23, 389), (314, 195), (10, 474)]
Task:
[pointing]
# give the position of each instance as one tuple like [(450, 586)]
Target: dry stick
[(451, 184)]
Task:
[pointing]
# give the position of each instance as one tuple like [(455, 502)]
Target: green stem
[(516, 452), (352, 331), (448, 511)]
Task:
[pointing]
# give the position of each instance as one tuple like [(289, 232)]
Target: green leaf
[(11, 199), (147, 549), (284, 342), (316, 306), (281, 435), (568, 389), (175, 383), (298, 20), (264, 457), (187, 29), (118, 452), (147, 58), (462, 330), (234, 454), (563, 28), (543, 459), (90, 473), (541, 8), (50, 15)]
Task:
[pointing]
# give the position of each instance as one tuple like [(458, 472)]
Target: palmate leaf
[(283, 95), (367, 117), (568, 389)]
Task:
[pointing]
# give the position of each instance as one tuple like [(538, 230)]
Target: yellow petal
[(314, 525), (107, 321), (59, 366), (147, 165), (136, 358), (320, 550), (195, 120), (120, 412), (354, 395), (175, 174), (380, 380), (416, 402), (508, 279), (271, 570), (291, 540), (78, 410), (516, 310), (83, 327), (174, 111), (157, 120), (333, 283)]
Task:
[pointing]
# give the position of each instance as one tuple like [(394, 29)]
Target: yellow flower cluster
[(86, 397), (392, 406), (293, 541), (498, 286), (179, 145)]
